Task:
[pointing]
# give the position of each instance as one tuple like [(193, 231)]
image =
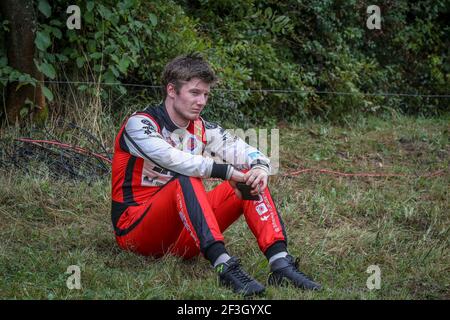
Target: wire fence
[(285, 91), (45, 155)]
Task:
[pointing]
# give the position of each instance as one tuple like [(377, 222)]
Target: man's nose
[(202, 100)]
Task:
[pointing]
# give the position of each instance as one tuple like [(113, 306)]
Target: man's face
[(191, 99)]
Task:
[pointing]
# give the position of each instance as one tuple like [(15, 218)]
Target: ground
[(337, 226)]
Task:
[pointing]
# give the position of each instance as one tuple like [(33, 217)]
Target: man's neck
[(174, 116)]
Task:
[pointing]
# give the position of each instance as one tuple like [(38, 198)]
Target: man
[(159, 203)]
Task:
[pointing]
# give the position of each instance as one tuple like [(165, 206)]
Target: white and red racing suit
[(159, 203)]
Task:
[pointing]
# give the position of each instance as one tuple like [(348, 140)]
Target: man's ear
[(171, 90)]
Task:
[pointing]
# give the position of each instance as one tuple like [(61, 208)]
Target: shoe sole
[(242, 292), (283, 282)]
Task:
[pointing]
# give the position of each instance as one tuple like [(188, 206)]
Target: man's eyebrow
[(198, 90)]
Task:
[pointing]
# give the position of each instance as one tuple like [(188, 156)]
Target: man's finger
[(247, 175), (256, 182), (264, 184), (250, 179)]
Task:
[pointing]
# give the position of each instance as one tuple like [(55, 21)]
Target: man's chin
[(194, 116)]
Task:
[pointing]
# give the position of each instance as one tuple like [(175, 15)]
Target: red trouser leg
[(183, 219), (179, 206), (227, 208), (261, 216)]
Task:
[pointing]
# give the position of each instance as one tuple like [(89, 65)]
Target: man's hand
[(237, 176), (257, 179)]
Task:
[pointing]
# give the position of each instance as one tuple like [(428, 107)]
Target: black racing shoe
[(232, 275), (285, 271)]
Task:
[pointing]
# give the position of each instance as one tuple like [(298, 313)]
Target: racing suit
[(159, 203)]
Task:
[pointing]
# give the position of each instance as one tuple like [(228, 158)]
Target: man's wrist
[(262, 167), (237, 176), (230, 172), (260, 163)]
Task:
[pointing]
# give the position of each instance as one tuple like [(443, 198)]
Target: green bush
[(319, 51)]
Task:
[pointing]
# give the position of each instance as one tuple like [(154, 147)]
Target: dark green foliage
[(307, 46)]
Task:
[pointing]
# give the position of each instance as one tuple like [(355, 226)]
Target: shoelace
[(239, 273), (294, 264)]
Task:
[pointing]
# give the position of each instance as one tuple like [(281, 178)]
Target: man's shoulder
[(148, 118), (210, 125), (152, 112)]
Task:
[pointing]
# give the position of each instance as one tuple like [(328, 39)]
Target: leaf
[(24, 111), (123, 65), (51, 58), (48, 70), (108, 77), (55, 22), (25, 78), (92, 45), (95, 55), (89, 17), (14, 75), (62, 58), (42, 40), (47, 93), (153, 19), (45, 8), (98, 68), (114, 70), (115, 58), (105, 12), (125, 5), (90, 6), (5, 25), (3, 61), (83, 87), (80, 62), (98, 35), (20, 85), (281, 19), (122, 89), (57, 33)]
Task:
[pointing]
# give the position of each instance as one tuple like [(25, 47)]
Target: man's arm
[(232, 149), (143, 140)]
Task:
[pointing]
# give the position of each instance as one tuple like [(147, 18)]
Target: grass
[(337, 226)]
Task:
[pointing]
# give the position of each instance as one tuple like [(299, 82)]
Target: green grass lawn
[(337, 226)]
